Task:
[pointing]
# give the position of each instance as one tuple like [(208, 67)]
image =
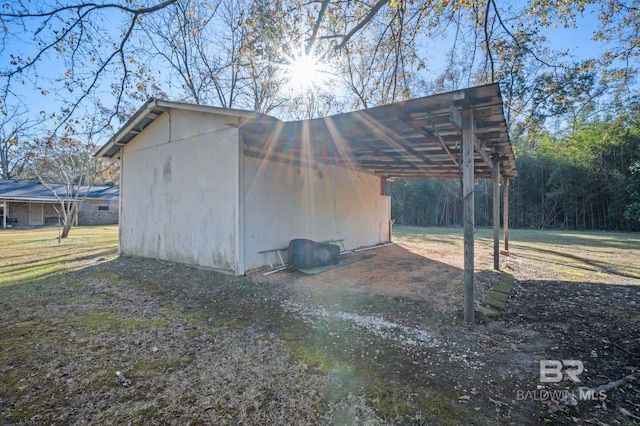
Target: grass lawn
[(598, 257), (31, 254), (197, 347)]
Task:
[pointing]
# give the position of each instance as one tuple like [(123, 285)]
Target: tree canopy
[(79, 68), (102, 58)]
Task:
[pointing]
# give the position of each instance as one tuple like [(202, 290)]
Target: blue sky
[(577, 40)]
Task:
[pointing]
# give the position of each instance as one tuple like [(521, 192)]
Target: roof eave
[(109, 149)]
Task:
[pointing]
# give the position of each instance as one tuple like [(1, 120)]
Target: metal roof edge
[(131, 122), (207, 108), (165, 105), (50, 199)]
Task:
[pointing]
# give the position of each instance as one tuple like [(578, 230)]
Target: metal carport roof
[(417, 138)]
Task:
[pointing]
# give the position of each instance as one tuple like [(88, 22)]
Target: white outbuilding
[(192, 192), (223, 188)]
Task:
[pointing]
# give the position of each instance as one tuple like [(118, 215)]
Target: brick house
[(27, 203)]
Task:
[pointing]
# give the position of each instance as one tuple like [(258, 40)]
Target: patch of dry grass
[(72, 315), (196, 347), (597, 257), (31, 254)]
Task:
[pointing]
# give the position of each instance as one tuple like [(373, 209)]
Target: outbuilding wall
[(179, 186), (284, 201)]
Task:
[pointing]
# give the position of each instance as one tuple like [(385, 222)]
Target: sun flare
[(306, 72)]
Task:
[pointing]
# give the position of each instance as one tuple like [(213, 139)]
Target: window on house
[(103, 208)]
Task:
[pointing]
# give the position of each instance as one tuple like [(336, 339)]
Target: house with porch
[(30, 203)]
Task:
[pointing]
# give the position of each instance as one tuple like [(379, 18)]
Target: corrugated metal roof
[(35, 191), (417, 138)]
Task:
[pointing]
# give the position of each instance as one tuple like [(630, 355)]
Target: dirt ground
[(402, 270), (377, 340), (597, 324)]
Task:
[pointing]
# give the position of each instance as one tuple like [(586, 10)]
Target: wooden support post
[(495, 177), (4, 215), (468, 180), (505, 213)]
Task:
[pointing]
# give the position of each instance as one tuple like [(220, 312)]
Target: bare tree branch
[(487, 40), (316, 26), (71, 37), (360, 25), (91, 6)]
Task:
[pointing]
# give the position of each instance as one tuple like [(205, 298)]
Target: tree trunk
[(69, 219), (66, 228)]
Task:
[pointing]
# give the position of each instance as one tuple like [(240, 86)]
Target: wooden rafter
[(417, 138)]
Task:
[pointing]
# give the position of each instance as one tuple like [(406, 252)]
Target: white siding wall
[(283, 202), (179, 189)]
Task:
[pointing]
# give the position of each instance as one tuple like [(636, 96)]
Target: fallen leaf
[(197, 383), (628, 413), (464, 398), (477, 408)]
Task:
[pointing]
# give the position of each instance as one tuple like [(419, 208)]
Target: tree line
[(77, 70), (588, 179)]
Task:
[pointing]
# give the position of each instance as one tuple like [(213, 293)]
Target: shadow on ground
[(345, 347)]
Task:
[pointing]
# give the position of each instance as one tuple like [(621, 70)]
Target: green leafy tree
[(632, 212)]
